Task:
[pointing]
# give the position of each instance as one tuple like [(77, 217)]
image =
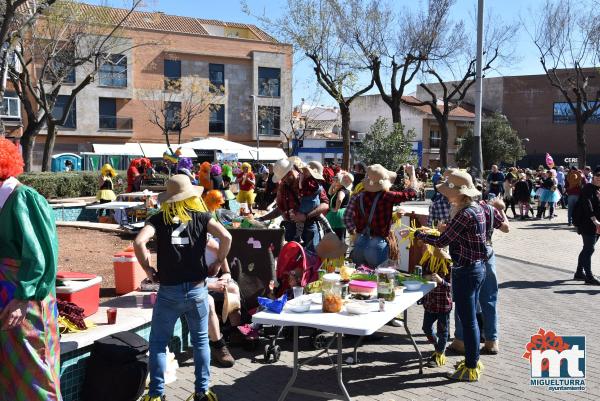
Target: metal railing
[(116, 123)]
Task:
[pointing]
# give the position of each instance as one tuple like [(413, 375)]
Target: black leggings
[(510, 202)]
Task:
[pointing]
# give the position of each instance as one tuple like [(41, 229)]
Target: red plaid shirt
[(287, 198), (439, 300), (354, 219), (466, 235)]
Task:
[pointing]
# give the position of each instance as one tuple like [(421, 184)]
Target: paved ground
[(531, 296)]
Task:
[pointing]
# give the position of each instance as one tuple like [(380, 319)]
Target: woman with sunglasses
[(588, 227)]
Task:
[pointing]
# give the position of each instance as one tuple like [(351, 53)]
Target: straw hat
[(281, 168), (179, 187), (296, 161), (331, 247), (231, 303), (458, 183), (345, 179), (378, 178), (315, 169)]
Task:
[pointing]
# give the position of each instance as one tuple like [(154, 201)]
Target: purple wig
[(185, 162), (215, 170)]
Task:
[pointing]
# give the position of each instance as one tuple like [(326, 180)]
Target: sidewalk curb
[(92, 226), (534, 264)]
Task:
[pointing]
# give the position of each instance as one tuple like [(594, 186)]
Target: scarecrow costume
[(29, 350), (369, 214)]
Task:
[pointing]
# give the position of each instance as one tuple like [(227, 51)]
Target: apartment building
[(250, 70), (365, 110)]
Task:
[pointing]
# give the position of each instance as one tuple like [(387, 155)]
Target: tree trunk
[(27, 144), (396, 113), (345, 111), (443, 142), (49, 145), (166, 133), (581, 144)]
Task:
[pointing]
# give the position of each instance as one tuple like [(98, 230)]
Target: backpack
[(117, 368)]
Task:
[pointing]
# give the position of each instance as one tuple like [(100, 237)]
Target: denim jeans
[(370, 251), (585, 256), (172, 302), (443, 328), (488, 301), (311, 235), (571, 201), (466, 284)]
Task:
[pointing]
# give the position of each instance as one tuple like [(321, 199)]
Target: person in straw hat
[(181, 229), (466, 236), (286, 172), (340, 197), (369, 214)]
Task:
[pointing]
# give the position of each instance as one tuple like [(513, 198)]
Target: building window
[(113, 71), (268, 121), (268, 81), (217, 118), (173, 116), (434, 139), (108, 119), (216, 74), (59, 108), (172, 74), (564, 115), (10, 106)]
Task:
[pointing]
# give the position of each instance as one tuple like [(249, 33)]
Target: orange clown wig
[(204, 176), (11, 161), (213, 200)]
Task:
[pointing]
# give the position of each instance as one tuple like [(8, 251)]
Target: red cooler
[(128, 272), (82, 289)]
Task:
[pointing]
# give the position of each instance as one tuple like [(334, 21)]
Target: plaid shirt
[(355, 219), (288, 200), (439, 300), (439, 210), (466, 235)]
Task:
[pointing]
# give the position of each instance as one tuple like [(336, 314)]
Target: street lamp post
[(477, 159), (255, 125)]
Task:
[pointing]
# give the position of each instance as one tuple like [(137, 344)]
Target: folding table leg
[(413, 341), (295, 370), (340, 350)]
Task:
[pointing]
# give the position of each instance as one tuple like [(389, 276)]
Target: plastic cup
[(298, 291), (111, 315), (152, 298), (139, 300)]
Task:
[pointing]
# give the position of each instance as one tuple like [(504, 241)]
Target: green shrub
[(72, 184)]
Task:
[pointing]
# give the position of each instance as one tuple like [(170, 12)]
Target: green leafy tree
[(499, 143), (386, 144)]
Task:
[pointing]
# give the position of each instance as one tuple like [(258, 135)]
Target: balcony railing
[(115, 123)]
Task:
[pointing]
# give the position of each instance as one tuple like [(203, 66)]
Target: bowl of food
[(299, 305), (358, 308), (411, 285)]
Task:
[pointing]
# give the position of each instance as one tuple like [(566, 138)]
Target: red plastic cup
[(111, 315)]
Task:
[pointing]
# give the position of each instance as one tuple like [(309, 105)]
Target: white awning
[(270, 154), (156, 150), (130, 149)]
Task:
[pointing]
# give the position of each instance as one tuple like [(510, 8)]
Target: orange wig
[(204, 176), (213, 200), (11, 160)]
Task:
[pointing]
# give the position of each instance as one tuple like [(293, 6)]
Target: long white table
[(339, 324)]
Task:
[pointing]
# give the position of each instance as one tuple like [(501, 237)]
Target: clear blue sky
[(304, 83)]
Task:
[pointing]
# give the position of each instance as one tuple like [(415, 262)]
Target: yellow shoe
[(465, 374), (149, 397), (208, 396)]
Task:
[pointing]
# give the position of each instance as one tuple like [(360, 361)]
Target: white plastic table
[(339, 324), (119, 208)]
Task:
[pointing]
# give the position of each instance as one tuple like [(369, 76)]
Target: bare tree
[(68, 38), (445, 95), (394, 49), (567, 36), (172, 108), (312, 27), (15, 18)]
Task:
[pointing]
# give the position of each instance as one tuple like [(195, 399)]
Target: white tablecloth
[(343, 322)]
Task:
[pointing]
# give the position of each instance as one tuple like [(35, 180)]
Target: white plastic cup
[(298, 292), (139, 300)]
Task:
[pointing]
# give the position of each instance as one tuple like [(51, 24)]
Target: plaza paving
[(533, 295)]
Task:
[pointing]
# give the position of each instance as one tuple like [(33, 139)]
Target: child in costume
[(185, 166), (522, 195), (310, 185), (204, 176), (29, 339), (247, 181), (105, 192)]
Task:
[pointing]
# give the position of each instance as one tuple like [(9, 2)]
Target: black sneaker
[(592, 281), (579, 275)]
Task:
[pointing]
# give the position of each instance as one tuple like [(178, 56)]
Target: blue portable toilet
[(66, 162)]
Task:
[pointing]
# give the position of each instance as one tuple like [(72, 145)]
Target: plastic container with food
[(358, 308), (360, 289), (299, 305), (386, 278), (412, 285), (332, 293)]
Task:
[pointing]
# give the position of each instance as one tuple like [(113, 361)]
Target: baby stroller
[(302, 266)]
